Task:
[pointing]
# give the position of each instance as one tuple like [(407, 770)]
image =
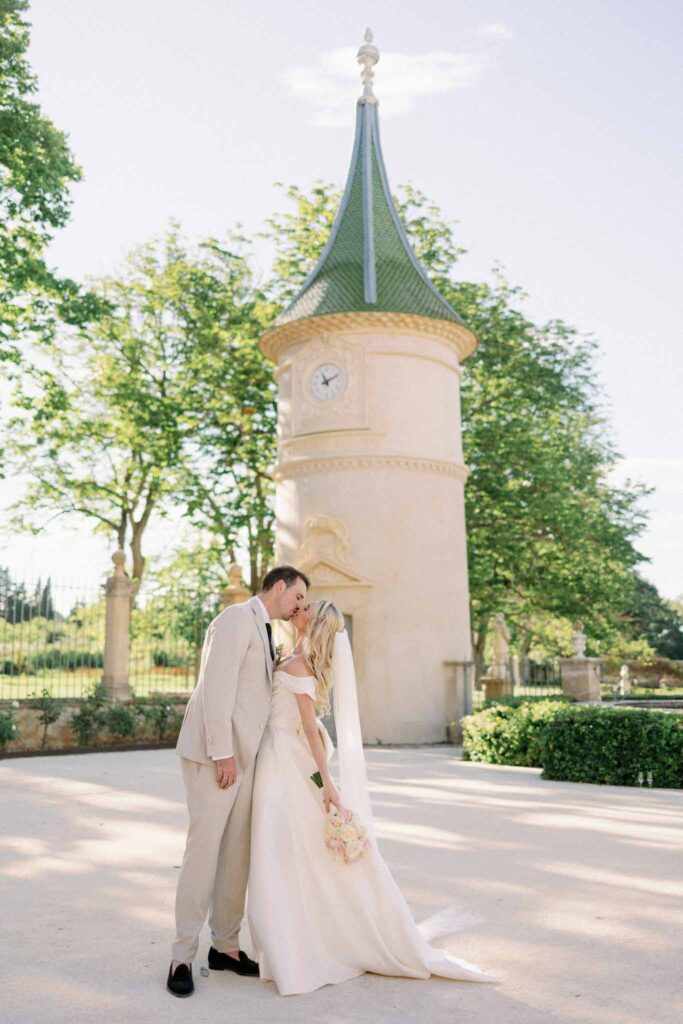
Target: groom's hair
[(283, 572)]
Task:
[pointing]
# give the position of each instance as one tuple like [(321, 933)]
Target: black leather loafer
[(180, 981), (223, 962)]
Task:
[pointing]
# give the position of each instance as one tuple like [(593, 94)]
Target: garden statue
[(498, 679), (501, 637), (624, 681), (579, 640)]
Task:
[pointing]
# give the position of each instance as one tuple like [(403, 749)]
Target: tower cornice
[(280, 337)]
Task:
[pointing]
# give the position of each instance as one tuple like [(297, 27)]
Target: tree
[(165, 399), (16, 605), (657, 621), (546, 532), (37, 170)]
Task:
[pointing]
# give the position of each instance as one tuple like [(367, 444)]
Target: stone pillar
[(120, 591), (235, 592), (581, 679)]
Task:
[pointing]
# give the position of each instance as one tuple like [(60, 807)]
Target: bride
[(315, 920)]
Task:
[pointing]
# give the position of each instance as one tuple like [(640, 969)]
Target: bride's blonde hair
[(318, 649)]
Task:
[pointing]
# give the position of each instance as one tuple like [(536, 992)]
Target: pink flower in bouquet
[(335, 848), (345, 836)]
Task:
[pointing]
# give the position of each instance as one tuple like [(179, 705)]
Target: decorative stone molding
[(327, 536), (300, 467), (275, 340), (325, 554), (329, 441), (324, 573)]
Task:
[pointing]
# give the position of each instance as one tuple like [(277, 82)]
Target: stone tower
[(370, 472)]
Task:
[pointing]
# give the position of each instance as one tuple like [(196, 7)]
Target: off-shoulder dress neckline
[(291, 674)]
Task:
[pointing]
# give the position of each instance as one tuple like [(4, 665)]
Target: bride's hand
[(331, 796)]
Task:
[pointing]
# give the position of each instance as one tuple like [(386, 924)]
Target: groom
[(218, 742)]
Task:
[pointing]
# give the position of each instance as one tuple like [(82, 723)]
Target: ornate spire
[(368, 265), (368, 55)]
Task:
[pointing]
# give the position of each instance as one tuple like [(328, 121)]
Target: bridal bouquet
[(345, 836)]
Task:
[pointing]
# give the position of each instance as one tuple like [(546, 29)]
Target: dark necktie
[(269, 630)]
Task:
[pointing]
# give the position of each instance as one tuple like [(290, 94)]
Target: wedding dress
[(313, 920)]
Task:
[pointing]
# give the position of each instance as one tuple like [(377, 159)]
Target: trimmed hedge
[(508, 733), (579, 743), (614, 745)]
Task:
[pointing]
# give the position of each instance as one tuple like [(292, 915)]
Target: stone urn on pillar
[(497, 680), (581, 675), (235, 592)]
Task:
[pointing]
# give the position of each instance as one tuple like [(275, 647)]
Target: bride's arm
[(310, 724)]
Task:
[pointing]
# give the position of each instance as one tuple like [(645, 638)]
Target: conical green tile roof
[(368, 264)]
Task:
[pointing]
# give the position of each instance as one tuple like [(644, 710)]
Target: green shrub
[(615, 746), (515, 702), (90, 717), (61, 659), (161, 717), (120, 720), (509, 734), (49, 710), (164, 659), (8, 728)]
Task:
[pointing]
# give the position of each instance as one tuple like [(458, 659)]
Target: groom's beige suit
[(225, 715)]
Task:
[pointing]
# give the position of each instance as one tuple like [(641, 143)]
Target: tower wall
[(370, 503)]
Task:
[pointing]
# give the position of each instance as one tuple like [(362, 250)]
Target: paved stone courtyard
[(579, 886)]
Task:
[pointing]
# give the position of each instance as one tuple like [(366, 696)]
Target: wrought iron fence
[(166, 635), (518, 677), (52, 638)]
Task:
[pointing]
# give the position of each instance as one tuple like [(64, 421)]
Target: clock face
[(327, 381)]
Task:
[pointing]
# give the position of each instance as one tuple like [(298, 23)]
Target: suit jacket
[(229, 708)]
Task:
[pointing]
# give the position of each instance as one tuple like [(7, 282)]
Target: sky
[(550, 131)]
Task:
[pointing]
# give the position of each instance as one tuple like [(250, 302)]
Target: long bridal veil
[(354, 783), (352, 773)]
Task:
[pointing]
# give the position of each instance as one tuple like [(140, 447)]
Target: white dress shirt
[(266, 618)]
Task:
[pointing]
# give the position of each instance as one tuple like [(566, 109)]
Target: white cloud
[(401, 79)]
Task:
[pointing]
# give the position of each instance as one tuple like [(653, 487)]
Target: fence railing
[(53, 638), (519, 677)]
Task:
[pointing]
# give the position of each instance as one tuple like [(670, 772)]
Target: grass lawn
[(63, 683)]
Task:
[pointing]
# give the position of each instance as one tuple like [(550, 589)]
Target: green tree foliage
[(658, 622), (37, 170), (546, 530), (164, 399), (17, 604)]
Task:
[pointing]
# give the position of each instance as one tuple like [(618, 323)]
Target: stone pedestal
[(236, 592), (497, 687), (580, 678), (498, 681), (120, 591)]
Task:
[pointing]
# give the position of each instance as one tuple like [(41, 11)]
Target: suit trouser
[(215, 869)]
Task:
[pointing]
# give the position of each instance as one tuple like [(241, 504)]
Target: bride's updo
[(318, 649)]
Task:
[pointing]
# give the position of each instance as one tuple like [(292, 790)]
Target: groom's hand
[(226, 772)]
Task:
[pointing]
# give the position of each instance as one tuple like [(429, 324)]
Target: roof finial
[(368, 55)]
